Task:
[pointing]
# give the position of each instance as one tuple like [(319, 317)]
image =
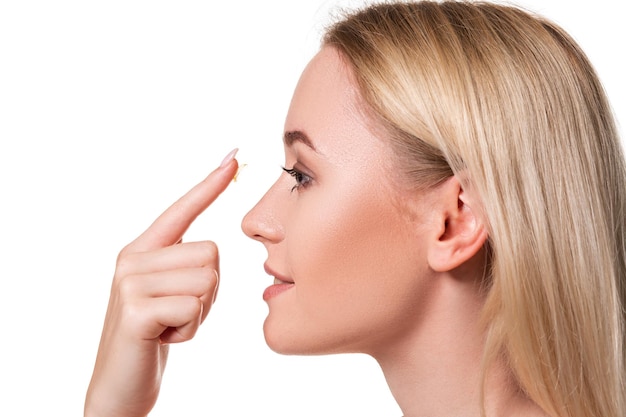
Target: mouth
[(281, 284), (278, 278)]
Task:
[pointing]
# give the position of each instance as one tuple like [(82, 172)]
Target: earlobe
[(461, 230)]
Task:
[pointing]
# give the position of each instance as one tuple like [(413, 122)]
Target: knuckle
[(132, 312), (126, 250), (192, 309), (124, 263), (138, 318), (127, 286), (209, 251)]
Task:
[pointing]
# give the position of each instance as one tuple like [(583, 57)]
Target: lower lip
[(274, 290)]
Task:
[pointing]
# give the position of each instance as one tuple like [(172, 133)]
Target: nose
[(263, 222)]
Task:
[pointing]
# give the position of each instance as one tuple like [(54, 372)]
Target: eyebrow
[(297, 136)]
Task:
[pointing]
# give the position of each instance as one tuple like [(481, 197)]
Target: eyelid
[(303, 180)]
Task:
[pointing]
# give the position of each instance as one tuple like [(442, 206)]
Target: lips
[(281, 284), (278, 278)]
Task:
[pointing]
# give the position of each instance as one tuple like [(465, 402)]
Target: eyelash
[(302, 180)]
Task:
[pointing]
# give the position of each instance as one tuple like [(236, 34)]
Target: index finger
[(170, 226)]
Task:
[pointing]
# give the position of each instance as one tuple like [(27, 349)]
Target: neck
[(436, 369)]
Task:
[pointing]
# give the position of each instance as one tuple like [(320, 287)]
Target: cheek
[(330, 240), (356, 264)]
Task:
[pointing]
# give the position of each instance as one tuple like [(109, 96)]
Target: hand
[(162, 291)]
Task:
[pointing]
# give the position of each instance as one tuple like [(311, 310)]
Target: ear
[(460, 232)]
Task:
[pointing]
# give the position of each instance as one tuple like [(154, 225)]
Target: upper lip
[(275, 274)]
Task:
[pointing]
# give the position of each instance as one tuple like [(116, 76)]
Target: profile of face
[(339, 228)]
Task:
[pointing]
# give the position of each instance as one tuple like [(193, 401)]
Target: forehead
[(325, 103), (327, 70)]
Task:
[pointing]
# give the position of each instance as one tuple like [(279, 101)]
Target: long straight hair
[(509, 101)]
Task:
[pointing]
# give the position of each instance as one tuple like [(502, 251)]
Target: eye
[(302, 180)]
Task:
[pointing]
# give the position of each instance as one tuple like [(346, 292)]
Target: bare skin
[(162, 291), (362, 263), (370, 265)]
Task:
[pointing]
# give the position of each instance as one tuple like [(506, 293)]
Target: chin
[(286, 341), (283, 341)]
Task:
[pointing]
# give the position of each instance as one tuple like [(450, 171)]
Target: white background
[(109, 111)]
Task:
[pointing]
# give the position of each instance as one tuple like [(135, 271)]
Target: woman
[(452, 204)]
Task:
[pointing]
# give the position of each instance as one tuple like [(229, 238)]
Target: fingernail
[(229, 157), (217, 286)]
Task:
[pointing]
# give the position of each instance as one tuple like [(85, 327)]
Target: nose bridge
[(264, 222)]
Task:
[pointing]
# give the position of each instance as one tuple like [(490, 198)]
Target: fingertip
[(229, 157), (228, 167)]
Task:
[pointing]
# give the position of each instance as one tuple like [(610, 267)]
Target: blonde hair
[(509, 100)]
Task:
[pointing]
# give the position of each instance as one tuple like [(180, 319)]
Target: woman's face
[(344, 240)]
